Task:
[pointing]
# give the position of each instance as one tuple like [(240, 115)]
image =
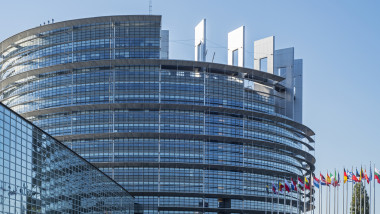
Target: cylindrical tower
[(181, 136)]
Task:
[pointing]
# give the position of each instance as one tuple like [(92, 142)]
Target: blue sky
[(338, 40)]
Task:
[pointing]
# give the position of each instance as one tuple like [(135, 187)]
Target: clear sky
[(338, 40)]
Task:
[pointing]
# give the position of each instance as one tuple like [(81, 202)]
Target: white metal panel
[(236, 42), (264, 48), (200, 41)]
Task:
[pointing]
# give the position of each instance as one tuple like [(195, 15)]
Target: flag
[(344, 176), (267, 188), (274, 189), (358, 176), (280, 186), (338, 181), (328, 179), (349, 176), (332, 178), (366, 176), (316, 181), (354, 178), (370, 174), (293, 184), (377, 175), (301, 185), (361, 174), (307, 185), (300, 182), (287, 186), (323, 180)]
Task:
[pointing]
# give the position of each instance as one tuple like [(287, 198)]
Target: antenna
[(150, 7)]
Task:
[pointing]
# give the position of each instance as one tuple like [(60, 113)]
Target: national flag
[(334, 180), (300, 182), (323, 180), (280, 186), (349, 176), (332, 177), (338, 181), (316, 181), (366, 176), (267, 188), (344, 176), (354, 178), (274, 189), (301, 185), (361, 174), (307, 185), (358, 176), (287, 186), (377, 175), (328, 179), (293, 184), (370, 174)]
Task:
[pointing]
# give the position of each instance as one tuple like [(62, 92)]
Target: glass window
[(235, 57), (264, 64), (281, 71)]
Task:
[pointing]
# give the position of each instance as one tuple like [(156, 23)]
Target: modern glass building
[(38, 174), (181, 136)]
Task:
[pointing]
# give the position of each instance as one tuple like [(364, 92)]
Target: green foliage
[(358, 190)]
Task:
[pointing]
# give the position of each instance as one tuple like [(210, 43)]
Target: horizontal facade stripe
[(260, 171), (113, 106), (75, 22), (211, 67), (308, 158)]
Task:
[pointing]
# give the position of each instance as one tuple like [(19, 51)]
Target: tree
[(358, 190)]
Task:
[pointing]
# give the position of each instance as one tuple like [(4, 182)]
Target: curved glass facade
[(182, 136)]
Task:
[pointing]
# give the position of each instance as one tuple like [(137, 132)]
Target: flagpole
[(360, 195), (343, 191), (284, 198), (329, 200), (278, 200), (374, 192), (364, 195), (347, 196), (266, 196), (319, 198), (337, 201), (311, 201), (327, 197), (370, 187), (298, 201), (353, 188), (334, 191), (304, 198), (272, 203), (311, 185)]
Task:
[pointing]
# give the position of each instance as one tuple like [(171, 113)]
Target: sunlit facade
[(181, 136)]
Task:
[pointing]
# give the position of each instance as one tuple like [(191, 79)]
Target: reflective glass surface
[(40, 175)]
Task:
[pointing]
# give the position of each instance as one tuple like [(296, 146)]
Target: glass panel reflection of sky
[(40, 175)]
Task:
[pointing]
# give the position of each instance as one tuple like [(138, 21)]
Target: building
[(181, 136), (41, 175)]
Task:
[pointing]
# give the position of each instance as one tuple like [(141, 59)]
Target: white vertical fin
[(236, 47), (200, 41), (264, 51)]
